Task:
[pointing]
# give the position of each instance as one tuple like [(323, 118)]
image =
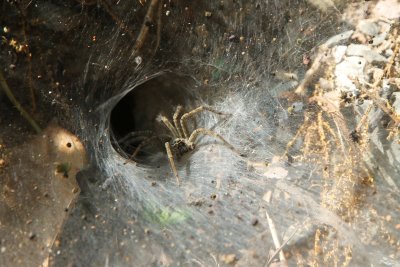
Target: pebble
[(396, 103), (368, 27), (379, 39), (297, 106), (338, 53), (389, 52), (254, 221), (228, 258), (365, 51), (348, 69), (335, 40), (389, 9)]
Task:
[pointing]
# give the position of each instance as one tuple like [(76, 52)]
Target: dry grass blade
[(15, 102), (277, 243)]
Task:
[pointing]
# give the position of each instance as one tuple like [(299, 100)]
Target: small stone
[(254, 221), (207, 14), (396, 103), (389, 9), (338, 53), (234, 38), (297, 106), (276, 172), (228, 258), (2, 163), (368, 27), (377, 74), (267, 196), (389, 52), (31, 236), (379, 39), (344, 36), (365, 51), (350, 68)]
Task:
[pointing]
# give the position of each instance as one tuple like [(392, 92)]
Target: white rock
[(297, 106), (338, 53), (348, 69), (365, 51), (389, 9), (377, 142), (368, 27), (395, 149), (338, 38), (379, 39), (396, 103), (389, 52)]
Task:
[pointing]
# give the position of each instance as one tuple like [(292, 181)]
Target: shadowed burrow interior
[(135, 119)]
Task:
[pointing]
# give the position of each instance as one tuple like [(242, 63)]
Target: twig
[(277, 243), (144, 31), (115, 17), (280, 248), (158, 28), (15, 102)]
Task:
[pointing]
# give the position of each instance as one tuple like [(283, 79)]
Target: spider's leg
[(134, 137), (194, 112), (204, 131), (140, 146), (175, 119), (172, 162), (130, 144), (169, 125)]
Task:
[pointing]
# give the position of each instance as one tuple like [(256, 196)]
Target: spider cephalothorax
[(180, 141), (181, 146)]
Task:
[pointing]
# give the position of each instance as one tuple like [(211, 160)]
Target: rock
[(338, 53), (335, 40), (352, 67), (396, 103), (368, 27), (365, 51), (389, 9), (228, 258), (297, 106), (389, 52), (379, 39)]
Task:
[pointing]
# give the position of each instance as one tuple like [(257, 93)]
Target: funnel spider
[(180, 141)]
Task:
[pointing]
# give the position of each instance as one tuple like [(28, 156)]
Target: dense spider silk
[(241, 59)]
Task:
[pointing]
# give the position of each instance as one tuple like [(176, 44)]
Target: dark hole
[(69, 144), (133, 120)]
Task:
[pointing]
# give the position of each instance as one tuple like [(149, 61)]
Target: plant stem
[(15, 102)]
